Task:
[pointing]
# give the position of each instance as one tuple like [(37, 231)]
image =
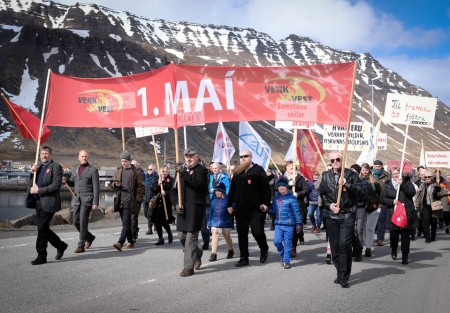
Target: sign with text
[(410, 110), (382, 141), (437, 159), (407, 165), (148, 131), (358, 138), (294, 124)]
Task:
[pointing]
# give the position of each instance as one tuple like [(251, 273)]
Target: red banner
[(307, 153), (27, 123), (181, 95)]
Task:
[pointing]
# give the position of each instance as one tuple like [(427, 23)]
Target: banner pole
[(347, 131), (49, 72), (123, 138), (177, 160), (161, 185), (294, 158), (402, 160), (317, 148)]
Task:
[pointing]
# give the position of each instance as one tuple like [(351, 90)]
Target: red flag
[(307, 153), (399, 217), (181, 95), (27, 123)]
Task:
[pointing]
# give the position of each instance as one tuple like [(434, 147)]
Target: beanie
[(125, 155)]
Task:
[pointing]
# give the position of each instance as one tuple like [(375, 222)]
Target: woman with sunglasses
[(389, 199)]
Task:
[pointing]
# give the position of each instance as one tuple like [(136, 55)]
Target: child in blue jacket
[(287, 220), (220, 221)]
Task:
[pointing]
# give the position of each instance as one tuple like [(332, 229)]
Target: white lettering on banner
[(229, 90), (206, 84), (295, 124), (181, 91), (143, 93)]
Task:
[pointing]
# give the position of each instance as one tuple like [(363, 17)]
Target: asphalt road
[(146, 278)]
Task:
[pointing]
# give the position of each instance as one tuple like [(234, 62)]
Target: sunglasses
[(244, 156), (150, 169), (428, 176), (335, 160)]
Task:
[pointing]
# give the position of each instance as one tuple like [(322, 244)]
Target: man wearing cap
[(340, 216), (379, 173), (193, 181), (128, 182), (250, 194)]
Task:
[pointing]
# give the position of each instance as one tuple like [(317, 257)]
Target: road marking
[(148, 281)]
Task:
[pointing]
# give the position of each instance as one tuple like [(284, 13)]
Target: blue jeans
[(282, 239), (311, 209)]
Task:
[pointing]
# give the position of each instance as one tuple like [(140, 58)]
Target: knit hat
[(220, 187), (377, 162), (125, 155), (282, 181), (356, 167)]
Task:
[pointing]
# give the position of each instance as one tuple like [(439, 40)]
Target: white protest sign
[(294, 125), (358, 137), (437, 159), (382, 141), (148, 131), (410, 110)]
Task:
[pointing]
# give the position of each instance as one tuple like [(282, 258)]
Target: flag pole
[(161, 185), (376, 137), (17, 115), (317, 148), (49, 72), (294, 158), (347, 131), (402, 160), (123, 138), (265, 150), (177, 160)]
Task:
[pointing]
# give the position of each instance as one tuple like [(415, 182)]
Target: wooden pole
[(123, 139), (177, 160), (294, 158), (317, 148), (402, 160), (159, 173), (344, 157), (42, 123)]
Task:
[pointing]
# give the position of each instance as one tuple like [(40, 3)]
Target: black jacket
[(249, 189), (351, 191), (405, 196)]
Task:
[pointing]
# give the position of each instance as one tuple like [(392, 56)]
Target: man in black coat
[(193, 181), (46, 190), (86, 180), (250, 195), (340, 216)]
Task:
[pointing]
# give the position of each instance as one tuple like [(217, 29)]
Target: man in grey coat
[(46, 191), (87, 190), (194, 189)]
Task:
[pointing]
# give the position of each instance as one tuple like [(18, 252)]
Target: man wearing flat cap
[(193, 181), (128, 182)]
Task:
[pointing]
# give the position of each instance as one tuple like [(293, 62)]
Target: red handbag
[(399, 217)]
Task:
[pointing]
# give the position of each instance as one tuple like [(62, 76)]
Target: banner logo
[(101, 100)]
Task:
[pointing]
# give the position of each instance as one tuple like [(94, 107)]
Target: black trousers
[(45, 234), (125, 216), (81, 222), (159, 228), (250, 217), (404, 234), (428, 221), (148, 211), (340, 234)]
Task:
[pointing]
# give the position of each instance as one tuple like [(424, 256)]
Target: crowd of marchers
[(353, 206)]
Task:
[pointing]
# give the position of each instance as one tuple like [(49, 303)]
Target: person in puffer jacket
[(287, 220), (220, 221)]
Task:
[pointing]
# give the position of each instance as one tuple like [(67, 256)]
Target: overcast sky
[(410, 37)]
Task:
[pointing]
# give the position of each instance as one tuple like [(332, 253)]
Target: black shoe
[(230, 254), (264, 256), (405, 259), (38, 261), (328, 259), (213, 257), (337, 281), (89, 242), (242, 262), (447, 230), (160, 242), (60, 252), (394, 255), (413, 238), (345, 284), (170, 237), (205, 246), (368, 252), (358, 258), (427, 241)]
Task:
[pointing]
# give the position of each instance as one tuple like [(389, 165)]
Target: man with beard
[(48, 201), (250, 195), (193, 181)]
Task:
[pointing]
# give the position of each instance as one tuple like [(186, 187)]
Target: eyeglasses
[(244, 156), (335, 160), (150, 169)]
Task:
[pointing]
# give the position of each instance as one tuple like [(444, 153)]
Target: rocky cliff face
[(94, 41)]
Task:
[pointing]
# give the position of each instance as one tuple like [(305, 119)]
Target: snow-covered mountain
[(87, 40)]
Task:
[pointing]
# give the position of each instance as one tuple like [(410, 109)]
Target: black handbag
[(30, 201)]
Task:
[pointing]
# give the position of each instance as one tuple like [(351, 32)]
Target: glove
[(179, 167), (179, 209), (298, 228), (435, 194)]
